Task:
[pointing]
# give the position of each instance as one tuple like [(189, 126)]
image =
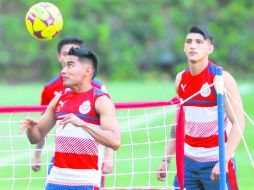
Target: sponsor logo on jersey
[(60, 105), (183, 86), (85, 107), (205, 90)]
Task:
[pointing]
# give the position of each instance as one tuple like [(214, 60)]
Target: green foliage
[(130, 37)]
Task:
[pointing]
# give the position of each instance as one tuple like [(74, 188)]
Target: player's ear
[(211, 48), (89, 70)]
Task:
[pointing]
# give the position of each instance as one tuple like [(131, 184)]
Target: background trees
[(133, 39)]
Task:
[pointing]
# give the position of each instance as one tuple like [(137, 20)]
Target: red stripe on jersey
[(206, 142), (76, 161)]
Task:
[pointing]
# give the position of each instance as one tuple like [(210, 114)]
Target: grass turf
[(29, 94)]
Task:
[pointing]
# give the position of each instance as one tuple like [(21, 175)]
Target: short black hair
[(70, 40), (83, 52), (203, 30)]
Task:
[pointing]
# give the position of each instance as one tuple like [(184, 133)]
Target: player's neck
[(197, 66), (82, 88)]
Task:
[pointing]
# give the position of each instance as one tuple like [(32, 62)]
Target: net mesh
[(145, 128)]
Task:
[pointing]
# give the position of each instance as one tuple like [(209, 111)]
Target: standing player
[(85, 119), (56, 87), (201, 151)]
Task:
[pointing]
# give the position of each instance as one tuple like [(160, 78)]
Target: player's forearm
[(110, 139), (109, 154), (40, 144), (236, 117), (234, 139), (34, 135), (234, 111), (170, 151)]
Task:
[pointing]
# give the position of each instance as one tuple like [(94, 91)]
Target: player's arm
[(109, 133), (170, 151), (36, 166), (37, 130), (171, 144), (104, 89), (107, 165), (236, 116)]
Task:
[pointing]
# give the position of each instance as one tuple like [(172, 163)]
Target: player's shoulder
[(100, 94), (212, 68), (227, 76), (54, 81), (98, 91), (179, 75), (96, 82)]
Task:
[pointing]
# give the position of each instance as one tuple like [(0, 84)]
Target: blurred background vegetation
[(135, 39)]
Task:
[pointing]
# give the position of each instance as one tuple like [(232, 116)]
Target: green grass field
[(29, 94)]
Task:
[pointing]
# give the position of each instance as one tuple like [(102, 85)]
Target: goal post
[(145, 128)]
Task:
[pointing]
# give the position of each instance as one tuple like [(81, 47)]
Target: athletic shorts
[(197, 176)]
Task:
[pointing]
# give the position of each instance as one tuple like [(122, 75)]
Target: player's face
[(75, 71), (197, 48), (64, 52)]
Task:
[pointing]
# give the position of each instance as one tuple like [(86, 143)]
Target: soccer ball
[(44, 21)]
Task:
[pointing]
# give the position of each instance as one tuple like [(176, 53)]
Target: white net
[(16, 155), (145, 133)]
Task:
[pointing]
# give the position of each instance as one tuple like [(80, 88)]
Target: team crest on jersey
[(85, 107), (205, 90), (67, 90)]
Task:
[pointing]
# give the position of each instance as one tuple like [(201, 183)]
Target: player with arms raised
[(85, 119), (56, 87)]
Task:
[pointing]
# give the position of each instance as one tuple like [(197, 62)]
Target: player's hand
[(73, 119), (162, 171), (107, 166), (215, 175), (36, 164), (215, 172), (27, 124)]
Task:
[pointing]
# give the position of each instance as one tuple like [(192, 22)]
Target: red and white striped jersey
[(78, 156), (201, 119)]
